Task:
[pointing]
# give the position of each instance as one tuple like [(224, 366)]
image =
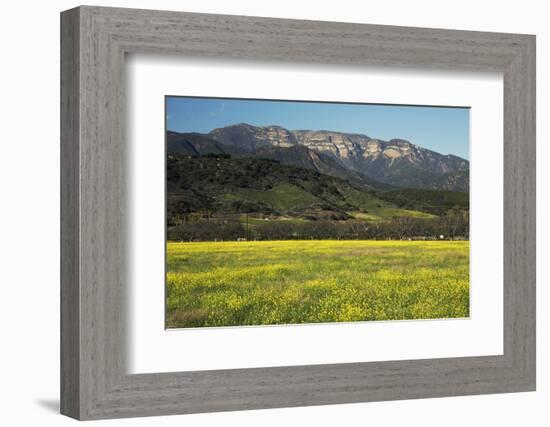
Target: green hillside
[(222, 185), (436, 202), (282, 197)]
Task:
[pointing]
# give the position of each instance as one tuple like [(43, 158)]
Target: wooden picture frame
[(94, 382)]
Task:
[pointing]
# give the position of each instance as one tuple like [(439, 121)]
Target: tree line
[(453, 225)]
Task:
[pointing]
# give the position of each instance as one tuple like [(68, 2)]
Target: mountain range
[(369, 162)]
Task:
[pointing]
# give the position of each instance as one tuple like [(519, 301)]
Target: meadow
[(312, 281)]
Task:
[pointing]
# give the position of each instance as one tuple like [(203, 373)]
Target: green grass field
[(288, 282)]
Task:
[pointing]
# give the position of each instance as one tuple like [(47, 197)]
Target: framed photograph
[(262, 213), (267, 225)]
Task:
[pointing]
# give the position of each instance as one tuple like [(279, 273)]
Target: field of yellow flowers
[(289, 282)]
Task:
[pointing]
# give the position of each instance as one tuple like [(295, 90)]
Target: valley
[(244, 182), (271, 226)]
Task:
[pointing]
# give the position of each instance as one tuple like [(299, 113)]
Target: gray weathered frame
[(94, 41)]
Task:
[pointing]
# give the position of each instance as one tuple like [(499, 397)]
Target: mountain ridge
[(396, 162), (195, 144)]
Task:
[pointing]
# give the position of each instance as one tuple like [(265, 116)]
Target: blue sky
[(442, 129)]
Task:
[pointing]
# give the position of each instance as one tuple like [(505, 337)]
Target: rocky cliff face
[(396, 162), (252, 137)]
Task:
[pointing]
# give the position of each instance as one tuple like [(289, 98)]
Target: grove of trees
[(453, 225)]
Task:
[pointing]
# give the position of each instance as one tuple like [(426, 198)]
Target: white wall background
[(29, 214)]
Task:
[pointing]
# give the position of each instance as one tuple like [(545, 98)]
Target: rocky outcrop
[(395, 162)]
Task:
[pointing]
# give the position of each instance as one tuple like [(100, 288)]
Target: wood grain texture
[(70, 292), (95, 383)]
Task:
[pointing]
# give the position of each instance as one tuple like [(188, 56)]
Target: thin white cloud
[(219, 111)]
